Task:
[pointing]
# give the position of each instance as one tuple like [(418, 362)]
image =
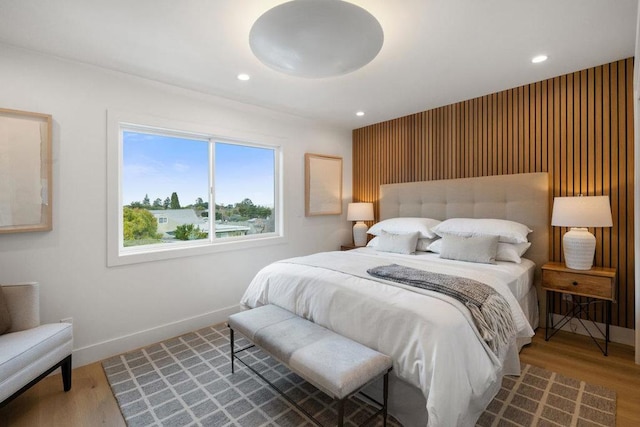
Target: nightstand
[(598, 285), (349, 247)]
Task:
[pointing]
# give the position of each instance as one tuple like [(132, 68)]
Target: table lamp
[(360, 212), (578, 244)]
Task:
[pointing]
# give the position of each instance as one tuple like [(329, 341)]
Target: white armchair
[(30, 351)]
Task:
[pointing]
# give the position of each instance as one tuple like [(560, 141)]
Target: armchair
[(30, 351)]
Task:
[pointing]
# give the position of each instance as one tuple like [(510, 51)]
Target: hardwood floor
[(90, 402)]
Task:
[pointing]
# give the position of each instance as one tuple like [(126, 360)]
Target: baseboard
[(102, 350), (616, 333)]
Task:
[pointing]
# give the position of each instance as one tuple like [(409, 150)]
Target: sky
[(157, 166)]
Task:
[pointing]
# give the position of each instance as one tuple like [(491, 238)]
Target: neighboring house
[(169, 219)]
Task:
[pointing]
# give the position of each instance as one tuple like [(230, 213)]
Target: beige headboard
[(521, 197)]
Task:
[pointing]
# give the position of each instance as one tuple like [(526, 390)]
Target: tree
[(175, 203), (166, 203), (246, 208), (139, 224), (145, 201), (157, 203), (190, 232)]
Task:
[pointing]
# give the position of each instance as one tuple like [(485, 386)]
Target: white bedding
[(430, 337)]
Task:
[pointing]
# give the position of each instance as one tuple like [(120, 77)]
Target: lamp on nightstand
[(360, 212), (578, 244)]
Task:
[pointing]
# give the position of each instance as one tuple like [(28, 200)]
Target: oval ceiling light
[(539, 58), (243, 76), (360, 113), (316, 38)]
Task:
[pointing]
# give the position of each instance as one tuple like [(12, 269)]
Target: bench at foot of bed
[(334, 364)]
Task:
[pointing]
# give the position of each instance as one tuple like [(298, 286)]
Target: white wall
[(121, 308)]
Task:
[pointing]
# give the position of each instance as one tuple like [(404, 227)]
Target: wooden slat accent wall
[(578, 127)]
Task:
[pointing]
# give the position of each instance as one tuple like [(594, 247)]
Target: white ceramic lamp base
[(579, 247), (360, 233)]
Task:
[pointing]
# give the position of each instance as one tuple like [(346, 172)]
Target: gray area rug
[(187, 381)]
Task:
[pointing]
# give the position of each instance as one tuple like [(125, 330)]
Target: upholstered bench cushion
[(336, 365), (29, 353)]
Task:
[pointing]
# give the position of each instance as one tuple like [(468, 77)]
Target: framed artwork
[(25, 171), (323, 185)]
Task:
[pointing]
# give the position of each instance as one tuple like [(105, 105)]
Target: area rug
[(186, 381)]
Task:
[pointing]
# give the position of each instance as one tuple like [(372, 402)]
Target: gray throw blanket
[(490, 311)]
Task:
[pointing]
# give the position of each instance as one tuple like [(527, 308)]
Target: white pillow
[(397, 243), (406, 225), (510, 252), (423, 244), (476, 248), (508, 231), (373, 242)]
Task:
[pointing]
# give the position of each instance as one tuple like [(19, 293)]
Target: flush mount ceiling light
[(316, 38)]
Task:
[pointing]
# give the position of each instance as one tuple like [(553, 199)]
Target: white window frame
[(117, 254)]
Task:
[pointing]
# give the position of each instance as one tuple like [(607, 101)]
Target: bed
[(444, 373)]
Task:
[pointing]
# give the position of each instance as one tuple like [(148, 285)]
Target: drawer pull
[(574, 283)]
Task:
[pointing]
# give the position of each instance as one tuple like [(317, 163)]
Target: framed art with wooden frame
[(25, 171), (323, 185)]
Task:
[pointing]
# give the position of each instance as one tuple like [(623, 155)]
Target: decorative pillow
[(5, 316), (397, 243), (511, 252), (406, 225), (422, 246), (470, 248), (508, 231)]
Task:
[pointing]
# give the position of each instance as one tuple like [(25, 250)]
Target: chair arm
[(23, 301)]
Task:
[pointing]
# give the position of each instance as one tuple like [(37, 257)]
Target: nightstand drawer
[(578, 284)]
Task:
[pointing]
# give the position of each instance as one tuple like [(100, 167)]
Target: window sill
[(171, 252)]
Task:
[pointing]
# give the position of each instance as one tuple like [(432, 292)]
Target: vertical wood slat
[(577, 127)]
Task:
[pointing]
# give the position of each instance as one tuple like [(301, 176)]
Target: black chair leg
[(66, 373)]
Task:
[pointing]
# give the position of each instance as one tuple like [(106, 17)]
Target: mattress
[(431, 337)]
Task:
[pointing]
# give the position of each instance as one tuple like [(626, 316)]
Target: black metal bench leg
[(231, 342), (385, 398), (341, 412), (66, 373)]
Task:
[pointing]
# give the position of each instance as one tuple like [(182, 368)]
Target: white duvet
[(432, 339)]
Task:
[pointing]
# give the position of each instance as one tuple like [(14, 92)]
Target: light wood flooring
[(90, 402)]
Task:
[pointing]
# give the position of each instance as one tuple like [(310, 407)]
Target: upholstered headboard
[(521, 197)]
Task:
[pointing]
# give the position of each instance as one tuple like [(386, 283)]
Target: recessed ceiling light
[(243, 76), (539, 58), (360, 113)]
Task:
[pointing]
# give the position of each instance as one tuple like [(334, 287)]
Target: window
[(180, 190)]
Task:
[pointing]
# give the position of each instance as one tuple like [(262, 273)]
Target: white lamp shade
[(360, 212), (579, 244), (587, 211)]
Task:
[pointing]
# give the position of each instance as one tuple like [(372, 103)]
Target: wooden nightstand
[(349, 247), (597, 285)]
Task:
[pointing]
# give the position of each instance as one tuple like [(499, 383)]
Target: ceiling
[(435, 52)]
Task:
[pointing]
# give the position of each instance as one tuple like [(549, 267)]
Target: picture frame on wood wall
[(25, 171), (323, 185)]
